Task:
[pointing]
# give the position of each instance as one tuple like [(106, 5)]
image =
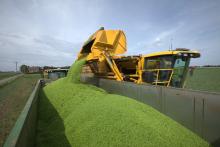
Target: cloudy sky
[(51, 32)]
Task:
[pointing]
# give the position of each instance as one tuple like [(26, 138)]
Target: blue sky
[(51, 32)]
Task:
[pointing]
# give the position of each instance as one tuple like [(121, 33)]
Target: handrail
[(156, 82), (157, 69)]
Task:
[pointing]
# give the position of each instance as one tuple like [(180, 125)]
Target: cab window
[(163, 62)]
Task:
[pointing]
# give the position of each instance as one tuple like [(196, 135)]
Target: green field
[(205, 79), (4, 75), (13, 97), (75, 114)]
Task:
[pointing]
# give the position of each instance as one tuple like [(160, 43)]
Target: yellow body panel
[(111, 41), (171, 52)]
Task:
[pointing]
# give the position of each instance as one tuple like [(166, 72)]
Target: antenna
[(171, 44), (16, 65)]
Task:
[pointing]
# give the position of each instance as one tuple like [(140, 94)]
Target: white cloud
[(45, 32), (52, 31), (36, 51)]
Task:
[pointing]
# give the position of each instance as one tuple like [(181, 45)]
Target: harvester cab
[(103, 54), (168, 68)]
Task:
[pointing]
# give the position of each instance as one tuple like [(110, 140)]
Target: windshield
[(162, 62), (179, 71)]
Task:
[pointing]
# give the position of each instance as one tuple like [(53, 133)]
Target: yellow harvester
[(103, 52)]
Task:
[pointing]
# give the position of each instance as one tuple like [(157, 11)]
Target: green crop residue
[(75, 70), (76, 114)]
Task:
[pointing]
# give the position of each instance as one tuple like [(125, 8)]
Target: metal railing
[(157, 80)]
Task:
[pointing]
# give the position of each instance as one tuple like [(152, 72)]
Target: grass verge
[(4, 75)]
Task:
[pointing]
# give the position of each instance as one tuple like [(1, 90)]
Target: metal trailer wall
[(23, 132), (196, 110)]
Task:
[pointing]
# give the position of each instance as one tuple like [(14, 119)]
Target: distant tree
[(48, 67), (65, 67), (24, 68)]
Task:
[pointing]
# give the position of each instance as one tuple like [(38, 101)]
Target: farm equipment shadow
[(50, 128)]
